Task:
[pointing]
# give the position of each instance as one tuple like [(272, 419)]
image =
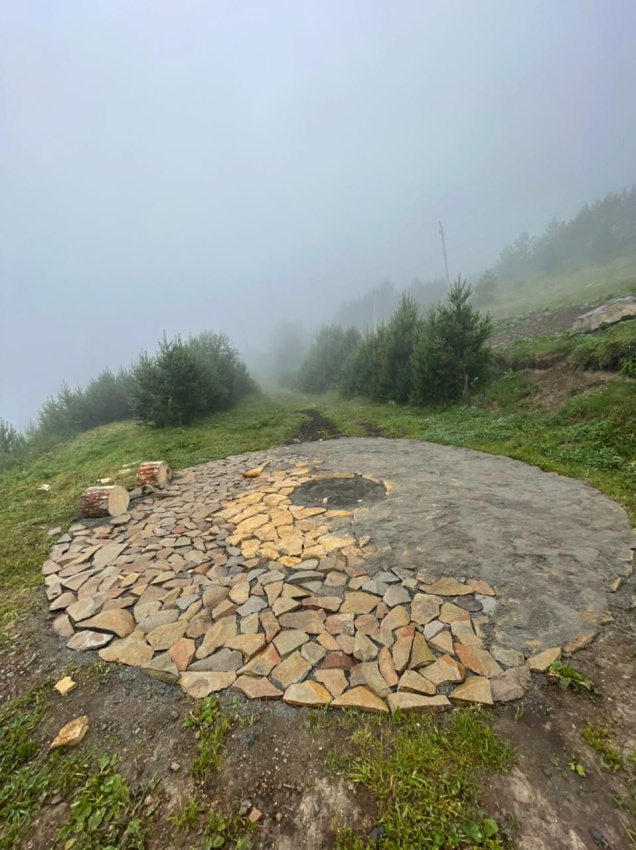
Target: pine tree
[(397, 349), (451, 356)]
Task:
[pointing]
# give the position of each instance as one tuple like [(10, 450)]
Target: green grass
[(598, 737), (211, 725), (105, 811), (576, 284), (424, 775), (612, 350)]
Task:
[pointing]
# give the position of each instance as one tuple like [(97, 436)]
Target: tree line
[(179, 382), (432, 357), (598, 232)]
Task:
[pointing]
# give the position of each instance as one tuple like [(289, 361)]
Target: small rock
[(402, 648), (65, 686), (414, 683), (222, 661), (540, 663), (424, 608), (134, 653), (510, 685), (473, 690), (72, 733), (361, 698), (162, 668), (175, 767), (291, 671), (363, 648), (445, 670), (357, 602), (421, 655), (256, 688), (308, 694), (396, 595), (200, 685), (405, 701), (117, 621), (334, 680), (340, 624), (289, 640), (86, 640), (479, 661), (507, 657)]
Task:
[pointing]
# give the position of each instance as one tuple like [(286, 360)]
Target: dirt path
[(540, 323), (315, 427)]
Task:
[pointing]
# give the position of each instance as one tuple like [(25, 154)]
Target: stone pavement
[(442, 592)]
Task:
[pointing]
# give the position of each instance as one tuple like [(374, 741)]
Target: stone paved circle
[(456, 578)]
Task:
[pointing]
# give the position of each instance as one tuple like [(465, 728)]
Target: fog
[(183, 166)]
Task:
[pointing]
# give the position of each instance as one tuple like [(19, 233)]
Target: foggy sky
[(190, 165)]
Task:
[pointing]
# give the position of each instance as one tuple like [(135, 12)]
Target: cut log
[(104, 501), (155, 472)]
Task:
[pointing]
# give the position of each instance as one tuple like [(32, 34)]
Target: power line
[(441, 233)]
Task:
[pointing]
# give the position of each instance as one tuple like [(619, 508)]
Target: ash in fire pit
[(338, 492)]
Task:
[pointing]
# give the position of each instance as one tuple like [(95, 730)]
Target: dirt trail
[(540, 323), (314, 428)]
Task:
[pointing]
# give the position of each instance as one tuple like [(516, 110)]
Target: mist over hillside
[(241, 167)]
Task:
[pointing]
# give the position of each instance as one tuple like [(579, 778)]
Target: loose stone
[(363, 648), (292, 670), (85, 639), (130, 651), (479, 661), (413, 682), (201, 685), (256, 688), (118, 622), (222, 661), (396, 595), (358, 603), (402, 647), (308, 694), (540, 663), (334, 680), (444, 670), (510, 685), (425, 608), (421, 655), (362, 699), (473, 690), (405, 701)]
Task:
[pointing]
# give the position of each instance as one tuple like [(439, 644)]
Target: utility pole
[(441, 233), (374, 313)]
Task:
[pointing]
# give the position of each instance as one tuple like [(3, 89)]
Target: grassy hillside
[(576, 284), (592, 437)]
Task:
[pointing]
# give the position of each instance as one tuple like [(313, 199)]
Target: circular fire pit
[(339, 491)]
